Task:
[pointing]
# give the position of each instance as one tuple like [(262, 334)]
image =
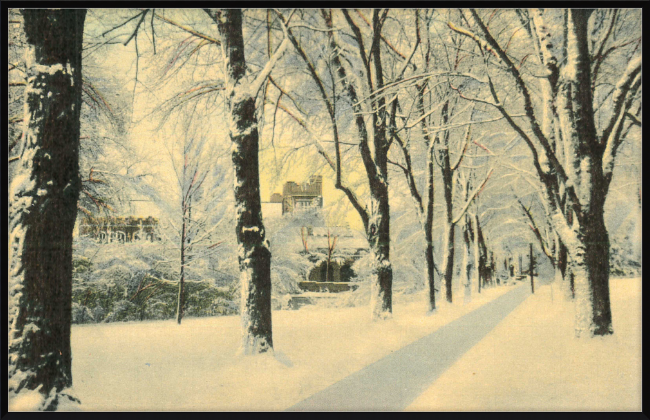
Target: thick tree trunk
[(381, 297), (588, 244), (254, 254), (43, 208), (594, 295)]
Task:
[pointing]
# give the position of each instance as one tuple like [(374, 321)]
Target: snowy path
[(392, 383), (532, 361), (159, 365)]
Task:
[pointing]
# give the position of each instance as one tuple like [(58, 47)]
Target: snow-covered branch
[(256, 85), (471, 198), (625, 89)]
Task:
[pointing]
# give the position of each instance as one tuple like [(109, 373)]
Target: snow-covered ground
[(158, 365), (531, 361)]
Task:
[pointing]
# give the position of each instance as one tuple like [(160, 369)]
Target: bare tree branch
[(471, 198), (137, 27), (189, 30), (598, 57), (619, 107), (256, 85)]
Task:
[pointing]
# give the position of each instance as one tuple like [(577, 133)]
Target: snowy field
[(158, 365), (530, 361)]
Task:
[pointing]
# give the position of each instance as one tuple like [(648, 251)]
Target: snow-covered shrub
[(118, 274), (125, 282), (286, 272), (98, 313), (225, 306), (81, 314), (123, 310), (157, 310), (81, 265), (204, 298), (364, 267)]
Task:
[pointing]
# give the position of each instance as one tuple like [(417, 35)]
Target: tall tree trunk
[(589, 249), (375, 164), (428, 233), (582, 169), (479, 268), (468, 268), (448, 258), (254, 254), (428, 217), (447, 182), (381, 297), (561, 271), (43, 208)]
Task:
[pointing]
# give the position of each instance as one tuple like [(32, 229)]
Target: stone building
[(297, 197), (119, 229)]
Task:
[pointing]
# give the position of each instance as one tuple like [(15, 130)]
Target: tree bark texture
[(43, 208), (381, 298), (588, 243), (428, 223), (254, 253), (447, 182)]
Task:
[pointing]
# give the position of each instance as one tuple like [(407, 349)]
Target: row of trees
[(409, 90)]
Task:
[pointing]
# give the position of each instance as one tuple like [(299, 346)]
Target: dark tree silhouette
[(43, 208)]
